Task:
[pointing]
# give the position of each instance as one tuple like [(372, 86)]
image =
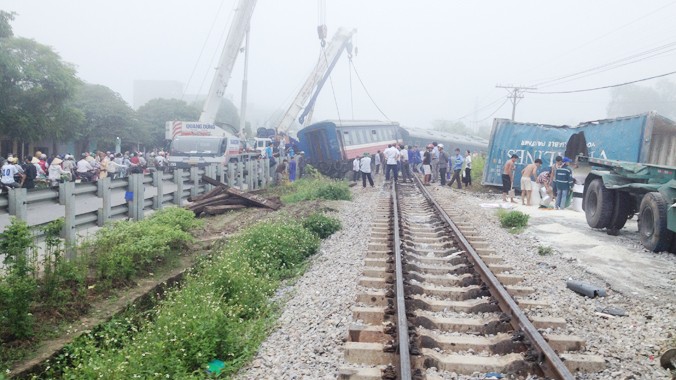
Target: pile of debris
[(223, 198)]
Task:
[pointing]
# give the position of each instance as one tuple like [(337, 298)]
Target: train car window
[(347, 138), (374, 136)]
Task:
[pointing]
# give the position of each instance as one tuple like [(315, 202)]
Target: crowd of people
[(557, 182), (432, 161), (291, 167), (91, 167)]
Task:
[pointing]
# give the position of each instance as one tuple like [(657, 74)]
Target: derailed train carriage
[(331, 145)]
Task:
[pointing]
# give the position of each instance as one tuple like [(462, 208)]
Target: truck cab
[(201, 151)]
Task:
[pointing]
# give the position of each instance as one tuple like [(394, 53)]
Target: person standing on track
[(435, 161), (467, 179), (508, 178), (405, 168), (391, 159), (426, 165), (528, 174), (365, 167), (443, 164), (355, 169), (378, 162), (457, 168)]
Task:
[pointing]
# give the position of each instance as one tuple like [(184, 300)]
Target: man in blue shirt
[(457, 168), (563, 181)]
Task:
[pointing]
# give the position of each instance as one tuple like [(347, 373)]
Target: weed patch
[(322, 225), (513, 219), (545, 250), (309, 189), (221, 312)]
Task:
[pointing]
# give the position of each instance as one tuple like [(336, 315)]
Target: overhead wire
[(367, 91), (633, 58), (605, 35), (204, 45), (603, 87), (494, 112)]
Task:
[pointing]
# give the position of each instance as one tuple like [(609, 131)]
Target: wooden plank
[(212, 181), (257, 200), (215, 191), (215, 210)]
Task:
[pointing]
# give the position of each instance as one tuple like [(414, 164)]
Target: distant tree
[(154, 114), (5, 27), (35, 87), (106, 116), (635, 99), (457, 127)]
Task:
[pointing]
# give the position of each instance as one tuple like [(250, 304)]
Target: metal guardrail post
[(103, 191), (250, 175), (67, 189), (220, 173), (195, 179), (209, 172), (17, 203), (231, 174), (266, 172), (240, 175), (157, 182), (62, 193), (136, 190), (178, 180)]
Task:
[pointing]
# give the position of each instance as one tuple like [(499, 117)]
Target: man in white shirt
[(435, 162), (9, 170), (365, 168), (405, 168), (391, 158), (467, 179), (355, 169), (377, 158), (84, 169)]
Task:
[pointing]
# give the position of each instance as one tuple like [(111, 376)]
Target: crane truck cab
[(200, 144)]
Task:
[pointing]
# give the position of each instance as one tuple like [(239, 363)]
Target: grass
[(319, 188), (222, 311), (545, 250), (514, 221)]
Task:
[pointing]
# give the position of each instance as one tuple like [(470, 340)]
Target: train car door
[(318, 144)]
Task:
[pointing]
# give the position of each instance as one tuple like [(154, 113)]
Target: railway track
[(437, 302)]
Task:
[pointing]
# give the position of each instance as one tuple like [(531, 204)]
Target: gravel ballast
[(308, 341)]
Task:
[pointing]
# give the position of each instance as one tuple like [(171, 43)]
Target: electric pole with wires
[(515, 95)]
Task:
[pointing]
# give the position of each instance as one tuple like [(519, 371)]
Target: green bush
[(122, 249), (275, 249), (545, 250), (222, 311), (309, 189), (322, 225), (18, 287), (513, 219)]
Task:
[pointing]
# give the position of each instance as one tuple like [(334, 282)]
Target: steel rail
[(549, 361), (402, 321)]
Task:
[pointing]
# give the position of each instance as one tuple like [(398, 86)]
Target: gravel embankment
[(308, 341), (631, 345)]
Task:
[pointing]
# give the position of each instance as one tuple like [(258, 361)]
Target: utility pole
[(515, 94)]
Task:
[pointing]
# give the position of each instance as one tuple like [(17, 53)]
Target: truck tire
[(621, 210), (598, 204), (652, 223)]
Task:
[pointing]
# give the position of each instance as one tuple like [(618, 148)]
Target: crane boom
[(238, 29), (339, 42)]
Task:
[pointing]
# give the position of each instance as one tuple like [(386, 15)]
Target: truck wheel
[(652, 223), (621, 210), (599, 204)]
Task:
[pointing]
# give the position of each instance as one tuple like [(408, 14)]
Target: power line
[(494, 112), (601, 88), (515, 95), (367, 91), (637, 57)]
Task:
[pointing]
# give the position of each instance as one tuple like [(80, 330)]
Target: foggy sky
[(420, 60)]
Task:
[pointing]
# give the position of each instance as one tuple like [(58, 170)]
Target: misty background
[(426, 64)]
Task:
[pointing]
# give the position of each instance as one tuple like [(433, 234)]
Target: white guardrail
[(85, 205)]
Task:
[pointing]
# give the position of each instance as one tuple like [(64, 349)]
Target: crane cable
[(367, 91), (333, 91)]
